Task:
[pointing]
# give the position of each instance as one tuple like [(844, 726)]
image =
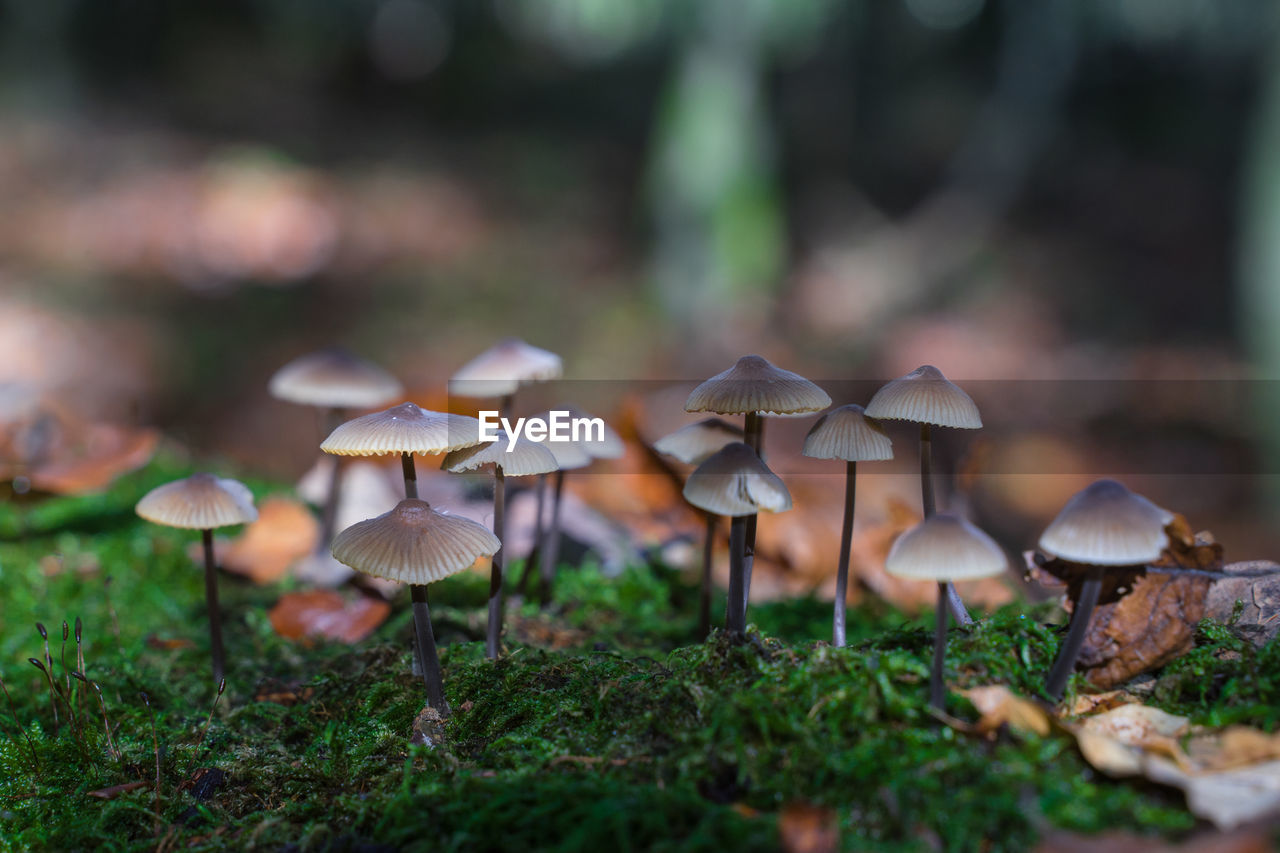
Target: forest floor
[(604, 726)]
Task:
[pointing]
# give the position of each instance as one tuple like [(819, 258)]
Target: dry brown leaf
[(284, 533), (999, 706), (1115, 741), (325, 613), (1095, 703), (806, 828), (116, 790)]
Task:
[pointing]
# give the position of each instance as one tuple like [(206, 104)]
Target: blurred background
[(1069, 207)]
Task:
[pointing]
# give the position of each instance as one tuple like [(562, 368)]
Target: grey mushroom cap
[(925, 396), (735, 482), (847, 433), (755, 385), (414, 544), (525, 457), (945, 547), (406, 428), (199, 502), (503, 368), (334, 378), (692, 444), (1105, 524)]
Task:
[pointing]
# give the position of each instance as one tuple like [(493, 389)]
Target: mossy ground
[(633, 738)]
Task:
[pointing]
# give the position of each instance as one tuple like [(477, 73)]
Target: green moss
[(631, 738)]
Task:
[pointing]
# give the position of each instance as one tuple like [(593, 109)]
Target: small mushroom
[(202, 502), (1102, 526), (692, 445), (753, 387), (417, 545), (522, 459), (736, 483), (943, 548), (846, 433), (498, 372), (928, 398)]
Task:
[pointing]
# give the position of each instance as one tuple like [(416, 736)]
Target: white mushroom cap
[(927, 397), (525, 457), (735, 482), (945, 547), (692, 444), (504, 367), (405, 428), (199, 502), (335, 378), (414, 544), (755, 385), (1105, 524), (847, 433)]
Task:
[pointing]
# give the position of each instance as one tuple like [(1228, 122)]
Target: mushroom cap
[(1105, 524), (199, 502), (405, 428), (414, 544), (755, 385), (336, 378), (692, 444), (927, 397), (568, 454), (504, 367), (847, 433), (526, 457), (945, 547), (733, 481), (609, 446)]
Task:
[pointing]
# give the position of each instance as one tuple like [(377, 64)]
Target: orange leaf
[(325, 613), (284, 533)]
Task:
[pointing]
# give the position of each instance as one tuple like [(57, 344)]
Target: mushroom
[(943, 548), (735, 482), (417, 545), (928, 398), (202, 502), (501, 370), (692, 445), (522, 459), (1104, 525), (753, 387), (846, 433), (333, 380)]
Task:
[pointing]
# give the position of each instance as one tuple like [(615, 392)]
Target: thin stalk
[(735, 620), (753, 434), (937, 687), (329, 512), (211, 600), (1070, 651), (47, 671), (842, 568), (106, 724), (222, 685), (410, 475), (954, 602), (551, 541), (704, 593), (432, 676), (494, 635), (62, 656)]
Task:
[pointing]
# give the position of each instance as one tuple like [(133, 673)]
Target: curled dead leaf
[(325, 613), (998, 706), (806, 828)]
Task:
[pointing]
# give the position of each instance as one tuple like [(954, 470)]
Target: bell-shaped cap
[(525, 457), (504, 367), (414, 544), (847, 433), (199, 502), (405, 428), (1105, 524), (927, 397), (692, 444), (945, 547), (733, 482), (755, 385), (334, 378)]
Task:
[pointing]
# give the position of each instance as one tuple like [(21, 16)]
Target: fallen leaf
[(1115, 741), (166, 644), (1094, 703), (284, 533), (1237, 746), (806, 828), (1228, 798), (1000, 706), (325, 613), (1256, 585), (283, 694)]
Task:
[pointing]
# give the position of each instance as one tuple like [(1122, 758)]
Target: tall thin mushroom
[(754, 388), (735, 482), (1102, 526), (692, 445), (943, 547), (846, 433), (202, 502), (416, 545), (523, 458), (928, 398)]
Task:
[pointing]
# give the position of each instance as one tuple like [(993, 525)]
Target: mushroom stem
[(494, 633), (1070, 651), (954, 602), (753, 433), (431, 674), (410, 475), (735, 620), (330, 510), (842, 568), (211, 602), (937, 687), (704, 593), (551, 540)]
